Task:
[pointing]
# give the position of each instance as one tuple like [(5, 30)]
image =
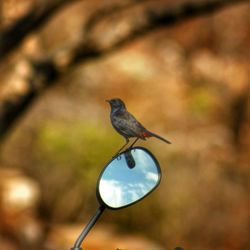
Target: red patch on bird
[(145, 134)]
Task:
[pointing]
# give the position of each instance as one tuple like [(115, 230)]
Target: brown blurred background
[(182, 67)]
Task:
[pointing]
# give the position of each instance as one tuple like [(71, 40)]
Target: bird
[(127, 125)]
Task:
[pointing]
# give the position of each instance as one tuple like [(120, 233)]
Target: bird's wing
[(128, 125)]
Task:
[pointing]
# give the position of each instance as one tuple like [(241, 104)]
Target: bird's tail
[(149, 134)]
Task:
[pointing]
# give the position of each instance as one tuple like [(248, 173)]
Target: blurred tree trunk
[(12, 36)]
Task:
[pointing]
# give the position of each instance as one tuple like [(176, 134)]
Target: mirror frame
[(101, 202)]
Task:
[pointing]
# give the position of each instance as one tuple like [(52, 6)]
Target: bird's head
[(116, 104)]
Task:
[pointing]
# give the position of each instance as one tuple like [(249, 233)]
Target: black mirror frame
[(102, 203)]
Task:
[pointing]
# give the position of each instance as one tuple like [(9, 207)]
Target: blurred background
[(182, 68)]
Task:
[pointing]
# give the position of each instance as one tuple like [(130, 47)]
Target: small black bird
[(127, 125)]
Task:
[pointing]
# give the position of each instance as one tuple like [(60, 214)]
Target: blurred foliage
[(201, 101), (79, 144)]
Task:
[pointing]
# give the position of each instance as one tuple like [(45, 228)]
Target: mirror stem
[(88, 227)]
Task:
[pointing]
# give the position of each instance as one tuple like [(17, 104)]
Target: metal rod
[(87, 228)]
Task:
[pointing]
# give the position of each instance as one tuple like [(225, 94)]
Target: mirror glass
[(128, 178)]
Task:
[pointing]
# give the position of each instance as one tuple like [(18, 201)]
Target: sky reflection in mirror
[(120, 185)]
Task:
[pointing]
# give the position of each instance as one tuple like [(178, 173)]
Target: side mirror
[(128, 178), (125, 180)]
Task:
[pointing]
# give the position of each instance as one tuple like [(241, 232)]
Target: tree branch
[(13, 105), (130, 23), (12, 36), (136, 22)]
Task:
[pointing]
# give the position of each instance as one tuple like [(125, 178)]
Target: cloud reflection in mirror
[(120, 185)]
